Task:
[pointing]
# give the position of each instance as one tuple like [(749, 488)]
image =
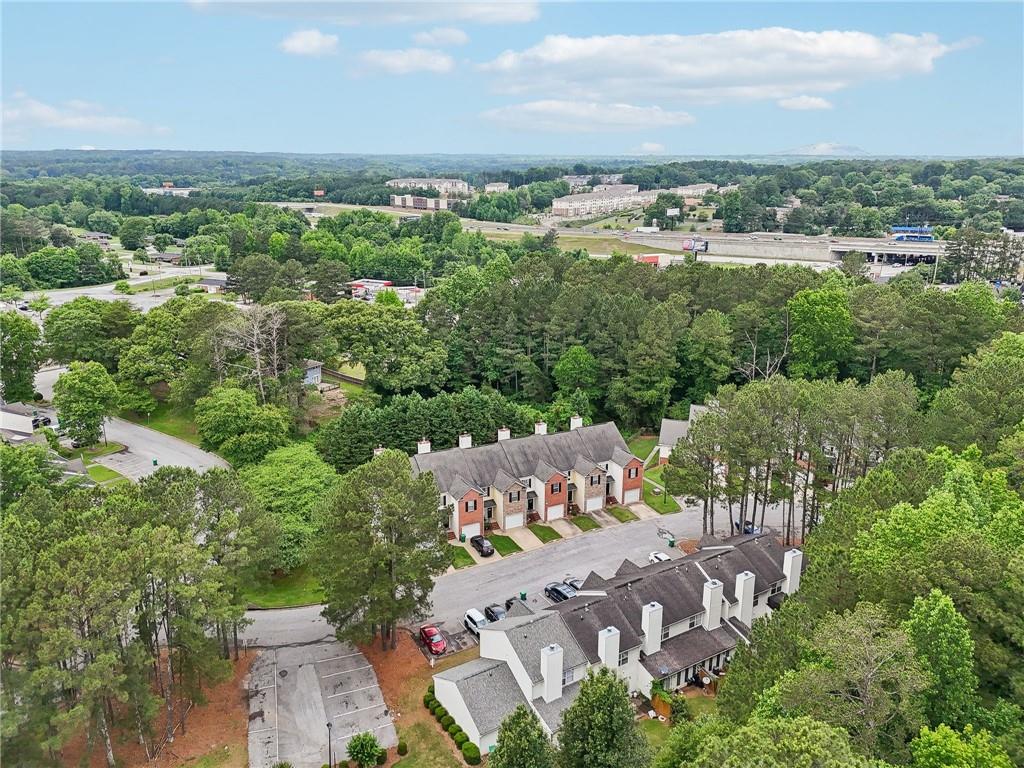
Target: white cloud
[(441, 37), (309, 42), (23, 115), (349, 13), (408, 60), (584, 116), (802, 103), (771, 63), (87, 148), (648, 148)]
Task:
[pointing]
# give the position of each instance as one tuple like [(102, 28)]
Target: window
[(556, 487), (595, 480), (634, 471), (487, 490), (471, 506), (693, 620), (776, 588), (757, 600), (623, 658), (448, 525), (444, 499), (529, 482), (664, 634), (514, 496), (567, 676)]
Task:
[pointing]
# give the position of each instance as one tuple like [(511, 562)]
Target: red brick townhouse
[(508, 483)]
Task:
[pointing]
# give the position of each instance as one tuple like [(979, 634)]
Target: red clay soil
[(221, 724)]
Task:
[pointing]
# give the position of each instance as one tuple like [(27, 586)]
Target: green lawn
[(599, 244), (102, 474), (299, 587), (89, 453), (656, 473), (621, 514), (702, 705), (163, 282), (641, 445), (503, 544), (544, 532), (585, 523), (460, 557), (659, 502), (171, 421), (356, 370), (427, 748), (212, 759), (655, 731)]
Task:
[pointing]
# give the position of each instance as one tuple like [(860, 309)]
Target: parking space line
[(363, 709), (263, 730), (265, 687), (335, 658), (354, 690), (378, 728), (346, 672)]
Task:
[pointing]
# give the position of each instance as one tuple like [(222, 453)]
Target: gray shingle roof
[(489, 690), (458, 469), (672, 431), (689, 648), (551, 713), (529, 634)]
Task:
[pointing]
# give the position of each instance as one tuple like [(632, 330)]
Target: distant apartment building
[(619, 188), (367, 290), (619, 197), (693, 190), (420, 203), (444, 186), (577, 182), (496, 186)]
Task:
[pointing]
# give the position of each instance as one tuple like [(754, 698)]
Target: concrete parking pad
[(477, 557), (643, 511), (525, 538), (294, 691), (604, 519), (566, 529)]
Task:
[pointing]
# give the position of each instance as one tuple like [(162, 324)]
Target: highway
[(144, 300)]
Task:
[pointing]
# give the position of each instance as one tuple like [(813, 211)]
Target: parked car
[(748, 527), (657, 557), (574, 582), (482, 545), (23, 306), (41, 421), (494, 612), (556, 592), (432, 638), (473, 621)]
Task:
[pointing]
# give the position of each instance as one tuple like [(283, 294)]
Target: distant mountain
[(825, 149)]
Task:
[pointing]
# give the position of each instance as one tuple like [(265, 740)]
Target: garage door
[(514, 521), (471, 530), (595, 503), (632, 495), (556, 511)]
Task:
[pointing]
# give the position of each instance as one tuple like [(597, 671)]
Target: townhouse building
[(540, 477), (444, 186), (419, 202), (675, 623)]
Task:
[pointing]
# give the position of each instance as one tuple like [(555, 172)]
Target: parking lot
[(294, 691)]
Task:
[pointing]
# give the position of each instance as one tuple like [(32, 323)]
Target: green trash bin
[(154, 462), (672, 543), (462, 538), (522, 596)]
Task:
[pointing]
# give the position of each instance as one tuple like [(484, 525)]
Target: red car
[(433, 639)]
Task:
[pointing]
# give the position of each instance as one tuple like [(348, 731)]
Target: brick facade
[(630, 483), (554, 499), (513, 507), (466, 517)]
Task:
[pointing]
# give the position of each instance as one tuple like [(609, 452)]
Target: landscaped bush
[(430, 689), (453, 729), (428, 700), (447, 721), (471, 753), (680, 709), (440, 713), (403, 748), (382, 757), (461, 738)]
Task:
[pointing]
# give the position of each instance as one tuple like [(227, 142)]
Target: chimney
[(540, 428), (465, 440), (378, 450), (551, 671), (575, 421), (745, 597), (712, 604), (791, 565), (608, 647), (650, 623), (423, 446), (504, 433)]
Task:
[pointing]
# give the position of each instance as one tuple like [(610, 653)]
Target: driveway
[(294, 691), (525, 538), (564, 528)]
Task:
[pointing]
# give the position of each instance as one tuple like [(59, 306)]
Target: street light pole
[(330, 750)]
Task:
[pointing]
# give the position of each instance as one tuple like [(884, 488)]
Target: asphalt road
[(143, 444), (477, 586), (144, 300)]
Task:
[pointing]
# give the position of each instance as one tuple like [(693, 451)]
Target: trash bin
[(462, 538), (522, 596), (672, 543), (154, 462)]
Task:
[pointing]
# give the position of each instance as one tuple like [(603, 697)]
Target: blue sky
[(538, 78)]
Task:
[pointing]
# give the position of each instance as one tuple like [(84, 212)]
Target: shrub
[(382, 756), (428, 700), (430, 689), (181, 289), (122, 286), (680, 709), (471, 753), (447, 721), (403, 748), (460, 739), (453, 729), (364, 749), (440, 713)]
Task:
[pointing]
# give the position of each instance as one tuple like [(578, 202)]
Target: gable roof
[(528, 634), (672, 431), (488, 688), (458, 469)]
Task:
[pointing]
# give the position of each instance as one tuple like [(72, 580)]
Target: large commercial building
[(496, 186), (444, 186)]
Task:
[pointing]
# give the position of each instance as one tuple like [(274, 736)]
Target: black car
[(556, 592), (748, 527), (494, 612), (40, 421), (510, 602), (574, 582), (482, 545)]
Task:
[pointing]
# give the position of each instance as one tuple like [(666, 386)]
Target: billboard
[(672, 212)]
